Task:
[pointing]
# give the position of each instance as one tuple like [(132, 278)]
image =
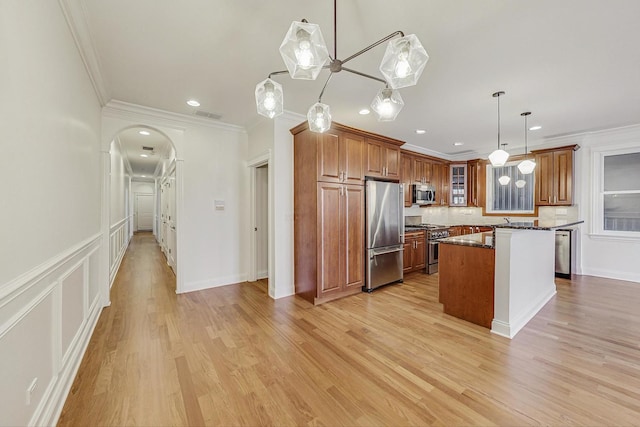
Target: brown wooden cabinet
[(422, 169), (340, 157), (382, 159), (440, 180), (406, 177), (329, 222), (554, 176), (473, 183), (340, 239), (414, 256)]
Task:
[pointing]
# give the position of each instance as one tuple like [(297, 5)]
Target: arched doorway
[(123, 178)]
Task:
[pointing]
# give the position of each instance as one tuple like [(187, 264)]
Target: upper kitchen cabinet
[(382, 158), (475, 183), (440, 180), (339, 157), (422, 169), (458, 179), (554, 176), (406, 177)]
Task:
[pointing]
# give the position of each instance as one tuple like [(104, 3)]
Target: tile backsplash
[(473, 216)]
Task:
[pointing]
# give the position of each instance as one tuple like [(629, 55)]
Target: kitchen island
[(522, 271)]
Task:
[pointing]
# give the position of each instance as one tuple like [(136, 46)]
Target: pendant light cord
[(335, 29), (498, 121)]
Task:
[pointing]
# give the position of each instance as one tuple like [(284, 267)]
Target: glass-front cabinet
[(458, 185)]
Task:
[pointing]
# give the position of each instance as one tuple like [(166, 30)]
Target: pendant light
[(526, 166), (387, 104), (498, 157), (504, 179), (305, 54), (521, 183)]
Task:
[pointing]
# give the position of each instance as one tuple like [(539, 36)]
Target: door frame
[(259, 161), (135, 209)]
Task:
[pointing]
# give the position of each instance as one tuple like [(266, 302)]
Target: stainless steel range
[(433, 247), (433, 234)]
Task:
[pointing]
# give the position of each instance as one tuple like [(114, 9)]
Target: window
[(509, 198), (620, 192)]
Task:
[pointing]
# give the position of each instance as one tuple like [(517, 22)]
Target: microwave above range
[(423, 194)]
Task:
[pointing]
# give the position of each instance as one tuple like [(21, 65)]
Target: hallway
[(233, 356)]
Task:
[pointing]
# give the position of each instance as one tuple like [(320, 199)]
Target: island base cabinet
[(466, 282)]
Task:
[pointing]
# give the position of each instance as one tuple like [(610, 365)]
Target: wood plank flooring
[(233, 356)]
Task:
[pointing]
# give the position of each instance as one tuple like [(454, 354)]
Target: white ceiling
[(132, 143), (574, 63)]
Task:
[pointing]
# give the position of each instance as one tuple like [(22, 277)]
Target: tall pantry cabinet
[(329, 210)]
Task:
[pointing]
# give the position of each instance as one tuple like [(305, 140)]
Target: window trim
[(489, 194), (597, 190)]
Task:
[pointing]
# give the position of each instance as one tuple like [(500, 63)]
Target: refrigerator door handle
[(376, 253)]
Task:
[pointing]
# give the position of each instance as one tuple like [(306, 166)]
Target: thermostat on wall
[(219, 204)]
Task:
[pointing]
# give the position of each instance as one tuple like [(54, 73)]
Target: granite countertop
[(478, 240), (552, 224)]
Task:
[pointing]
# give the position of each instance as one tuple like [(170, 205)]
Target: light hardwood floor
[(233, 356)]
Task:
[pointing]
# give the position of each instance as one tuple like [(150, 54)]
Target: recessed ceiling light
[(144, 132), (364, 111), (535, 128), (457, 144), (193, 103), (144, 176), (421, 131), (144, 155)]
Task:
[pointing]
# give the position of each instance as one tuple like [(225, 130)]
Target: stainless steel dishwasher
[(565, 253)]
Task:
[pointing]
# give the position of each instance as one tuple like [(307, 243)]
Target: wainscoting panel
[(46, 319), (118, 242)]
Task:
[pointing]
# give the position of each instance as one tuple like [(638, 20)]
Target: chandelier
[(305, 55)]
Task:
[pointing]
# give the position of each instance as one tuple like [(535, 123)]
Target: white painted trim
[(611, 274), (127, 111), (75, 15), (510, 329), (261, 160), (118, 224), (17, 286), (50, 407), (215, 283)]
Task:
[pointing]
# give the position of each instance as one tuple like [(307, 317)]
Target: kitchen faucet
[(507, 219)]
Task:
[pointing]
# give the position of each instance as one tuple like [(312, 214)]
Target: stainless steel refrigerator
[(384, 233)]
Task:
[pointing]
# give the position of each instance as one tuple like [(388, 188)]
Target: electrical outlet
[(30, 390)]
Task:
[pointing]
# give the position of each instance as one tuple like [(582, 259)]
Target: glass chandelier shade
[(319, 117), (526, 166), (499, 157), (521, 183), (504, 180), (304, 51), (403, 61), (387, 104), (269, 98)]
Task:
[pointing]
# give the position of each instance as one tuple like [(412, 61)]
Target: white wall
[(604, 256), (212, 244), (49, 245), (216, 240), (274, 136)]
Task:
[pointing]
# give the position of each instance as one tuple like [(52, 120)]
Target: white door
[(144, 212)]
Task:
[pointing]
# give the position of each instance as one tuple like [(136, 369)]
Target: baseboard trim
[(611, 274), (510, 329), (213, 283)]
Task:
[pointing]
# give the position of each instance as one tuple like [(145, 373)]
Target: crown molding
[(76, 17), (124, 110), (426, 151)]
